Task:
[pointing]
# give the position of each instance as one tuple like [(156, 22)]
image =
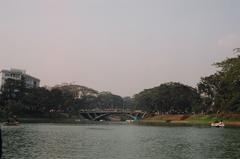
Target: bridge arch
[(108, 114)]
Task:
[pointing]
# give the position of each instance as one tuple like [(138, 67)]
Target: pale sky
[(122, 46)]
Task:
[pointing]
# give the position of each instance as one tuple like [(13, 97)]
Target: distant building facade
[(17, 74)]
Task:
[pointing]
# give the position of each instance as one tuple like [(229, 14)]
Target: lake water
[(53, 141)]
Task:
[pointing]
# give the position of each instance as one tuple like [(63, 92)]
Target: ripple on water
[(118, 142)]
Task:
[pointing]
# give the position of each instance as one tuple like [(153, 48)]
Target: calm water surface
[(51, 141)]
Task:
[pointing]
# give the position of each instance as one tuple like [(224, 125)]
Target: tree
[(13, 90), (56, 98), (222, 89), (128, 103), (169, 98), (37, 100), (109, 100)]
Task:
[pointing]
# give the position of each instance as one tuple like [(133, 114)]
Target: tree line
[(62, 99), (216, 93)]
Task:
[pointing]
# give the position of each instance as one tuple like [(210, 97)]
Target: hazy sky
[(122, 46)]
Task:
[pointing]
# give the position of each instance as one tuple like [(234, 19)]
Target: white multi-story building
[(17, 74)]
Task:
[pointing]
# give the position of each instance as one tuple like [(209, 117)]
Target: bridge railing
[(109, 111)]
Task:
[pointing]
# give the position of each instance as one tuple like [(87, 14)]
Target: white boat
[(220, 124)]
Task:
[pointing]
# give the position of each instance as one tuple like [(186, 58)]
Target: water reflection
[(118, 142)]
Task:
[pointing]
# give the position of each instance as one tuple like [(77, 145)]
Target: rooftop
[(20, 71)]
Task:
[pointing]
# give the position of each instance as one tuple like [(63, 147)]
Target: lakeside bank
[(71, 121), (229, 120), (157, 120)]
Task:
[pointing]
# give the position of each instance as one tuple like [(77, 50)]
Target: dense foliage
[(62, 99), (217, 93), (221, 91), (169, 98)]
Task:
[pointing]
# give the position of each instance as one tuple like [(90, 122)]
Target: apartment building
[(17, 74)]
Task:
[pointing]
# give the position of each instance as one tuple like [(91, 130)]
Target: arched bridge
[(101, 115)]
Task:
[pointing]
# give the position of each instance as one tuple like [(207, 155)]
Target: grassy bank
[(205, 120)]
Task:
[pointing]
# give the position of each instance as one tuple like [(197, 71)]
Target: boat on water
[(219, 124), (11, 124), (12, 121)]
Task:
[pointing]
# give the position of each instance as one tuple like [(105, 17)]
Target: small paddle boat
[(219, 124)]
